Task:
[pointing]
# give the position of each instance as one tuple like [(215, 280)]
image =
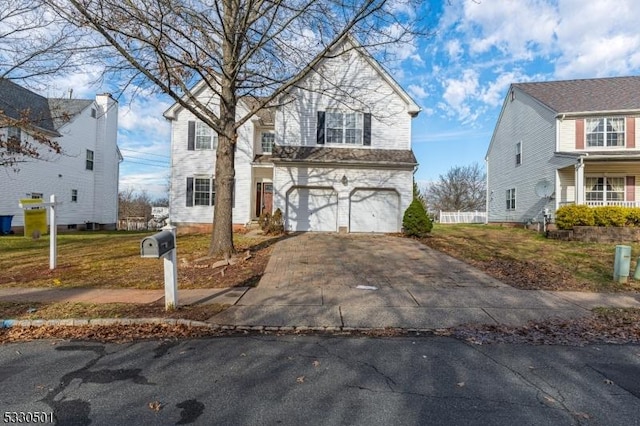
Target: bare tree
[(256, 49), (462, 188)]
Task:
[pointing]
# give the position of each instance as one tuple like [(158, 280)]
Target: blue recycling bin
[(5, 225)]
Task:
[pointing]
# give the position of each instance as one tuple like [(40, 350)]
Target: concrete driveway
[(349, 260), (341, 282)]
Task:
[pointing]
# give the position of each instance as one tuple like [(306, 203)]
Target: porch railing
[(613, 203)]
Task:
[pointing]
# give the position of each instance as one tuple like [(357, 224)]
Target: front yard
[(112, 260), (527, 260)]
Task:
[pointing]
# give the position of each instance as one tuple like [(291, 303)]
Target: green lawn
[(104, 259), (527, 259)]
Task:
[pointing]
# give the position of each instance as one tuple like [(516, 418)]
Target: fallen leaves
[(300, 379), (155, 405)]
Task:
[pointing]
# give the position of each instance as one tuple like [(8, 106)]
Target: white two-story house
[(335, 155), (562, 142), (84, 176)]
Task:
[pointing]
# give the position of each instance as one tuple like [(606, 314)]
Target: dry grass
[(526, 259), (112, 260)]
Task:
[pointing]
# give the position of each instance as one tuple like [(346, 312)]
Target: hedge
[(581, 215)]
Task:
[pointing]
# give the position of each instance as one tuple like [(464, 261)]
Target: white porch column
[(579, 182)]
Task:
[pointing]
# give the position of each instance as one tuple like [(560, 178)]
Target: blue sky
[(459, 76)]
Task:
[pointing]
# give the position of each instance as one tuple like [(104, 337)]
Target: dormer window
[(605, 132), (267, 140)]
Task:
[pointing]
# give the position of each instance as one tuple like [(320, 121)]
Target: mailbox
[(157, 245)]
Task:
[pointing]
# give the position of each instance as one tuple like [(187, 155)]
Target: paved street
[(295, 380)]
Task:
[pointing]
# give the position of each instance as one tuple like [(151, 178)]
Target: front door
[(264, 198)]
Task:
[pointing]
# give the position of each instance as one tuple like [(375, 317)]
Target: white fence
[(462, 217)]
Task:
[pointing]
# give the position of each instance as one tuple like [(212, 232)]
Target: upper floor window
[(267, 140), (511, 199), (344, 127), (206, 138), (74, 195), (605, 132), (89, 161), (14, 139), (93, 113), (518, 153)]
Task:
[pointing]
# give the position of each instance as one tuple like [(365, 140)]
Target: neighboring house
[(84, 177), (564, 142), (328, 161)]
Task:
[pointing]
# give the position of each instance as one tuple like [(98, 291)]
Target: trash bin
[(5, 225)]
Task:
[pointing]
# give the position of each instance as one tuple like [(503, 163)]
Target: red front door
[(264, 198)]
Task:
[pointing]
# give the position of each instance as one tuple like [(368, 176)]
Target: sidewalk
[(340, 307)]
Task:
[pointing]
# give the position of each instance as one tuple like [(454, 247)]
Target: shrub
[(271, 224), (415, 221), (633, 216), (610, 216), (574, 215), (276, 224)]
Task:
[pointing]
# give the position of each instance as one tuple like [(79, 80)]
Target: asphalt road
[(294, 380)]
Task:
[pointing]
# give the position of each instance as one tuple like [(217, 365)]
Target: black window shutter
[(320, 128), (189, 192), (366, 134), (213, 192), (191, 136)]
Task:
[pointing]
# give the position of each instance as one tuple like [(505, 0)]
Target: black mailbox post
[(157, 245)]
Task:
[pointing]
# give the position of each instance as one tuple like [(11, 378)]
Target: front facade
[(84, 176), (330, 162), (564, 142)]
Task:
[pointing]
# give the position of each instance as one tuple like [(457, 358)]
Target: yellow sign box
[(35, 217)]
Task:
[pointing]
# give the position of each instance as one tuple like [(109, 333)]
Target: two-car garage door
[(316, 209)]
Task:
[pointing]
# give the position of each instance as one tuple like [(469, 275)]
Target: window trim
[(605, 133), (604, 191), (200, 129), (273, 141), (14, 147), (511, 199), (89, 162), (358, 127)]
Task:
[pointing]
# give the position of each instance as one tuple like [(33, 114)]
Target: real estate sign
[(35, 216)]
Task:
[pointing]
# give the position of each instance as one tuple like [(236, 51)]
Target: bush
[(415, 221), (633, 216), (574, 215), (271, 224), (610, 216)]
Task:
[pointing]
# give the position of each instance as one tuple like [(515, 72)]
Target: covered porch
[(601, 180)]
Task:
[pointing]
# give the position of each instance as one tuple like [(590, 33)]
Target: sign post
[(53, 233)]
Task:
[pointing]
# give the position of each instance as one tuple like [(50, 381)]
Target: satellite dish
[(544, 189)]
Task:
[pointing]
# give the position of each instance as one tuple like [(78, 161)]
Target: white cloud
[(143, 115), (454, 49), (153, 182), (417, 91), (459, 92)]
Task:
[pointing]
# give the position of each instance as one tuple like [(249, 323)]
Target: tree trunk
[(222, 234)]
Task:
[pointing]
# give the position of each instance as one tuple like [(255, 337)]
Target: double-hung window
[(604, 189), (89, 160), (605, 132), (344, 127), (206, 138), (518, 153), (267, 140), (203, 192), (511, 199), (14, 139)]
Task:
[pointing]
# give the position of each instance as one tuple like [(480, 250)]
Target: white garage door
[(312, 209), (374, 210)]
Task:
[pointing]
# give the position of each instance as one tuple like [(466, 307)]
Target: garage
[(374, 210), (312, 209)]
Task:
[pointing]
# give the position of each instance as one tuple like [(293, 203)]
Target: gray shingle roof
[(63, 110), (15, 101), (313, 154), (589, 95)]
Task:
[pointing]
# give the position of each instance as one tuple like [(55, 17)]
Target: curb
[(9, 323)]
